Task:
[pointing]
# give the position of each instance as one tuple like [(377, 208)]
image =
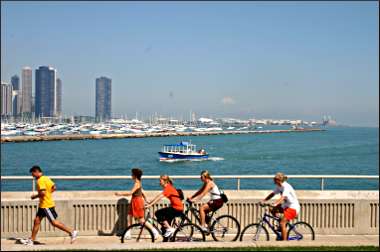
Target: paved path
[(113, 243)]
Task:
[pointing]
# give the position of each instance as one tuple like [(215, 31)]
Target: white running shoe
[(205, 229), (28, 242), (74, 236), (127, 235), (169, 232), (156, 234)]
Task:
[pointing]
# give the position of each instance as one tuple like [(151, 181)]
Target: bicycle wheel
[(137, 233), (188, 233), (254, 232), (301, 231), (225, 228)]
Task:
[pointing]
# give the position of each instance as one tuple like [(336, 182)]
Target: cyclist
[(46, 207), (136, 207), (166, 215), (287, 206), (215, 202)]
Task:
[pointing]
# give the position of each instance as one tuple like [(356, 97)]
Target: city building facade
[(26, 90), (6, 99), (45, 92), (59, 98), (103, 101)]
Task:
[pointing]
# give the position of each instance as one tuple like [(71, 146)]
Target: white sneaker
[(155, 234), (169, 232), (204, 229), (127, 235), (28, 242), (74, 236)]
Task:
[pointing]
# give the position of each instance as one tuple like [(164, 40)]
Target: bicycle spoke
[(225, 228), (188, 233), (137, 234), (301, 231), (254, 233)]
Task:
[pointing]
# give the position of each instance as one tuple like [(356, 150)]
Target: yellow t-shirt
[(45, 183)]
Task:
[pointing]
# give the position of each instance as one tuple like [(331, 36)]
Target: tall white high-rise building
[(16, 95), (26, 87), (58, 97), (6, 99)]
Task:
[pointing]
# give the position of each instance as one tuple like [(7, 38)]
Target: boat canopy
[(180, 144)]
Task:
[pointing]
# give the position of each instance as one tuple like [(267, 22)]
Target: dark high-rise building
[(15, 81), (59, 97), (103, 99), (45, 92)]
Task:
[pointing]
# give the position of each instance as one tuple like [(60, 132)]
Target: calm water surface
[(335, 151)]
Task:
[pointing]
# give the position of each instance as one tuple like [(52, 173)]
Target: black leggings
[(167, 214)]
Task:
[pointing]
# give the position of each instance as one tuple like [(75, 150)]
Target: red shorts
[(290, 213), (136, 208)]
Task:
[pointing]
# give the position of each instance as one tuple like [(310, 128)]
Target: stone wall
[(102, 213)]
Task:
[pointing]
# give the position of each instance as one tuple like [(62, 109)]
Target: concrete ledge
[(100, 212)]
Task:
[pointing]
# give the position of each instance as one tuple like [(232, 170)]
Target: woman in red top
[(166, 215), (136, 207)]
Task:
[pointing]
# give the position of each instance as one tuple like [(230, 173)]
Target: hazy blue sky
[(243, 59)]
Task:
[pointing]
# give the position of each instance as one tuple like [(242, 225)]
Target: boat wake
[(192, 160)]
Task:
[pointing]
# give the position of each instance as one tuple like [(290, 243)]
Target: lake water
[(338, 150)]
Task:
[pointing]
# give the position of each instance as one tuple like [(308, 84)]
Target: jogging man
[(46, 187)]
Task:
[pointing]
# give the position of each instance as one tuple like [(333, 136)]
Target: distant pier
[(16, 139)]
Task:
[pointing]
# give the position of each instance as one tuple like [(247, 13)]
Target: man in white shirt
[(289, 208)]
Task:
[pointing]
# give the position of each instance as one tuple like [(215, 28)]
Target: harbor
[(24, 138)]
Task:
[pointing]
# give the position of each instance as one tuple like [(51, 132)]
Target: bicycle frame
[(266, 219), (195, 213)]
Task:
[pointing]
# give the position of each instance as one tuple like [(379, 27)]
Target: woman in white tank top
[(215, 202)]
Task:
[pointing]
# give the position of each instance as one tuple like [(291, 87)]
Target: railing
[(237, 177)]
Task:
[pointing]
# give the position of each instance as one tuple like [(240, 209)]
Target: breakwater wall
[(16, 139), (102, 213)]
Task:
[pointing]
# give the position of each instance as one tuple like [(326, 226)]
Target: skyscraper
[(45, 92), (15, 81), (16, 95), (103, 99), (26, 90), (59, 97), (6, 99)]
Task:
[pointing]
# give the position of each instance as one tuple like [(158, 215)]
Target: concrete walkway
[(113, 243)]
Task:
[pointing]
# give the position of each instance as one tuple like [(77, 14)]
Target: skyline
[(224, 59)]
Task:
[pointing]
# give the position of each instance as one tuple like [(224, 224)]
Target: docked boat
[(181, 151)]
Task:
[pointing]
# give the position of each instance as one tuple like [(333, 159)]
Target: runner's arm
[(53, 189), (40, 194), (144, 195), (135, 187)]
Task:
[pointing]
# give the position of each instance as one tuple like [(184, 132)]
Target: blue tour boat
[(181, 151)]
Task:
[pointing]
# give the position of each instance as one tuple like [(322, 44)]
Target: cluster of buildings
[(19, 102)]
